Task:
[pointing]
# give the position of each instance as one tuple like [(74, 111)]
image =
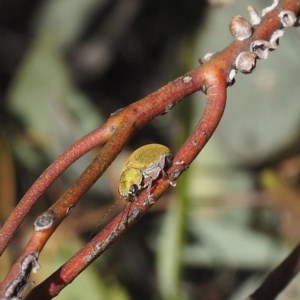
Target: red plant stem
[(129, 120), (263, 31), (87, 143), (69, 271), (212, 77)]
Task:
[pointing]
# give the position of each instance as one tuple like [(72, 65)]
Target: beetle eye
[(133, 189)]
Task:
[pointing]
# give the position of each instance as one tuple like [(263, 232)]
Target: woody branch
[(252, 41)]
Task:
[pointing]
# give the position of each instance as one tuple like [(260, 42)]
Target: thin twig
[(212, 77), (87, 143), (279, 278)]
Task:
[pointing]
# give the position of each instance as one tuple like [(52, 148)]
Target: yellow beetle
[(142, 167)]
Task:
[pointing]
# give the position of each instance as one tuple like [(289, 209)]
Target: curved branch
[(126, 123), (213, 77), (87, 143), (216, 99)]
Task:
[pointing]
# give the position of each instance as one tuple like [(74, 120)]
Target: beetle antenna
[(103, 217)]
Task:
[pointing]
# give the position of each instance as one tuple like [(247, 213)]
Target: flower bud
[(261, 48), (287, 18), (269, 8), (245, 62), (254, 16), (240, 28)]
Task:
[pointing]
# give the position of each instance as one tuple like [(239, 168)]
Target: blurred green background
[(66, 65)]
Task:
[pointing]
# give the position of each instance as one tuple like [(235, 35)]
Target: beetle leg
[(165, 161), (149, 186)]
